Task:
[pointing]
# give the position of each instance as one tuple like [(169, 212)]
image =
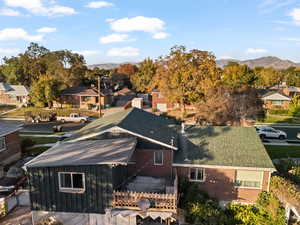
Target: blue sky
[(120, 31)]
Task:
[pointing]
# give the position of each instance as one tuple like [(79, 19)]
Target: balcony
[(147, 194)]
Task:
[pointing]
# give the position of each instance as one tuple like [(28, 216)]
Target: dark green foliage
[(26, 143), (279, 111)]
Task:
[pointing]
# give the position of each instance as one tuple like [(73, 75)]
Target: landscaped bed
[(278, 152)]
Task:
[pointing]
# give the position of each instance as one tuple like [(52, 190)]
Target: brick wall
[(268, 105), (144, 163), (13, 149), (219, 183), (157, 98), (74, 100)]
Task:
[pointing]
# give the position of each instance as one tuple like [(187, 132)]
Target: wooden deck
[(159, 202)]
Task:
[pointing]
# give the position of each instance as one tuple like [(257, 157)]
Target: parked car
[(74, 117), (270, 132)]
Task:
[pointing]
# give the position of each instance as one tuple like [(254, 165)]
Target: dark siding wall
[(120, 175), (45, 195)]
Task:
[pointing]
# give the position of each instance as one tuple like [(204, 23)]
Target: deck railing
[(159, 202)]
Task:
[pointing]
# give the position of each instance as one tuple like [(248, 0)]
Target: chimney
[(182, 128)]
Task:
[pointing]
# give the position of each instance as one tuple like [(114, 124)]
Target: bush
[(279, 112), (49, 221), (27, 143)]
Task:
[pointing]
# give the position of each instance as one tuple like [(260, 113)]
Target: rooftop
[(16, 90), (96, 152), (275, 95), (84, 91), (138, 122), (7, 129), (223, 146)]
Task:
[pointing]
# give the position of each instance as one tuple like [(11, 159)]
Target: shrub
[(27, 143), (279, 112), (49, 221)]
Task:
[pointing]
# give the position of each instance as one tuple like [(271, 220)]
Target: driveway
[(19, 216)]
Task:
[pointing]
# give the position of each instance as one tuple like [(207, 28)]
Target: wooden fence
[(159, 202)]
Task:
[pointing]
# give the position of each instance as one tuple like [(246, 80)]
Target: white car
[(74, 117), (270, 132)]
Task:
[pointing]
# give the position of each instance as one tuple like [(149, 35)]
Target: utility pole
[(99, 95)]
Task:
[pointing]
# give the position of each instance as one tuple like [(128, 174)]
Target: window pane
[(158, 158), (200, 174), (193, 174), (78, 181), (65, 180), (249, 178)]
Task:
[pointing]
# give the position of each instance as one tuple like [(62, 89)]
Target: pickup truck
[(74, 117)]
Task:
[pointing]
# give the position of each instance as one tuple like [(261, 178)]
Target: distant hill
[(269, 61), (109, 66)]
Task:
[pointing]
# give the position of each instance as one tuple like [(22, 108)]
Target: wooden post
[(99, 96)]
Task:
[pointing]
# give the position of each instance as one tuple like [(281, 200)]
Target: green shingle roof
[(222, 146), (137, 121)]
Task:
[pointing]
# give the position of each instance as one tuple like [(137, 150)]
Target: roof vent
[(182, 128), (172, 141), (151, 132)]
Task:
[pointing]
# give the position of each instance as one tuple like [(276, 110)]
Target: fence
[(159, 202), (8, 203)]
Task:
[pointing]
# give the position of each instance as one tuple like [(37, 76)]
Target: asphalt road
[(44, 126), (291, 131)]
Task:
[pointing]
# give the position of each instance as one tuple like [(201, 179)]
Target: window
[(158, 158), (248, 179), (197, 174), (70, 182), (277, 102), (2, 144)]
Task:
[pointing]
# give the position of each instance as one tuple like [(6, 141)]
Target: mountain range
[(268, 61)]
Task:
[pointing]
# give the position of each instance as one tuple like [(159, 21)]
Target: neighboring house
[(123, 96), (13, 94), (160, 103), (291, 91), (126, 165), (10, 144), (276, 100), (82, 97)]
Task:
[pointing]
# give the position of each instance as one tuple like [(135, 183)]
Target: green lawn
[(42, 140), (276, 152), (36, 151), (280, 119)]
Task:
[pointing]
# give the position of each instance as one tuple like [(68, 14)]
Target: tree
[(127, 69), (270, 76), (44, 91), (185, 76), (294, 107), (143, 78), (223, 105), (235, 75)]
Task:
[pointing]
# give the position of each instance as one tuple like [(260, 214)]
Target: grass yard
[(280, 119), (276, 152), (36, 151), (42, 140), (60, 112)]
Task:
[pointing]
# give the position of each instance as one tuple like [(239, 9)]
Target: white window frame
[(197, 170), (4, 142), (71, 190), (158, 164), (248, 187)]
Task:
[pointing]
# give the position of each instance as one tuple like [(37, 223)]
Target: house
[(276, 100), (160, 103), (126, 166), (291, 91), (10, 144), (13, 94), (123, 96), (82, 97)]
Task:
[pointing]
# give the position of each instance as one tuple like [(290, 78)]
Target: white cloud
[(99, 4), (37, 7), (9, 51), (295, 14), (123, 52), (268, 6), (226, 57), (87, 52), (160, 35), (109, 20), (256, 51), (12, 34), (113, 38), (9, 12), (47, 30), (139, 23), (290, 39)]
